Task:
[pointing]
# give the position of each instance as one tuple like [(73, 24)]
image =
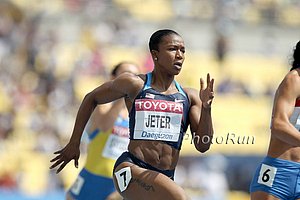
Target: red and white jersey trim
[(297, 104), (295, 117)]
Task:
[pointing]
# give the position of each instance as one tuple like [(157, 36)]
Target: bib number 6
[(123, 177), (266, 175)]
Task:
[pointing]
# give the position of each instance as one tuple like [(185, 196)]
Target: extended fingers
[(62, 166), (56, 163), (201, 84), (209, 82), (211, 85), (62, 163), (76, 162), (59, 151), (208, 79), (56, 158)]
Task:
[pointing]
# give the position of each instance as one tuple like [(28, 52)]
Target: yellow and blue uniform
[(279, 177), (95, 179)]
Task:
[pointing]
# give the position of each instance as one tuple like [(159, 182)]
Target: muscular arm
[(200, 122), (126, 85), (107, 114), (284, 104), (123, 86)]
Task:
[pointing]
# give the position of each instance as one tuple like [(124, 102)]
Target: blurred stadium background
[(54, 52)]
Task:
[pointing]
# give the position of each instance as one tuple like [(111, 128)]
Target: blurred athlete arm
[(200, 115), (284, 104), (104, 116), (125, 85)]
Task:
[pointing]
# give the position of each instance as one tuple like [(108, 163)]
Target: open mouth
[(178, 64)]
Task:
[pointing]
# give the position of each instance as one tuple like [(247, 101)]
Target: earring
[(155, 58)]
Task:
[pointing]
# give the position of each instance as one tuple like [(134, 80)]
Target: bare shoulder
[(130, 83), (130, 78), (292, 81), (190, 91), (293, 75), (290, 85), (193, 94)]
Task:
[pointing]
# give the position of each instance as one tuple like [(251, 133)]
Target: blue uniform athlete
[(160, 112), (278, 176)]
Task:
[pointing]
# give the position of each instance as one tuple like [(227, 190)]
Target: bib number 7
[(266, 175), (123, 177)]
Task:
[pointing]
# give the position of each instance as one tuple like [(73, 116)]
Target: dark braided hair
[(296, 57)]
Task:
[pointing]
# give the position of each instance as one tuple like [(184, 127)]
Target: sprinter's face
[(170, 54)]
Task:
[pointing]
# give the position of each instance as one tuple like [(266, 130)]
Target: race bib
[(76, 187), (266, 175), (157, 120), (116, 143), (123, 177)]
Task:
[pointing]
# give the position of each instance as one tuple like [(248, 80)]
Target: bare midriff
[(282, 150), (156, 153)]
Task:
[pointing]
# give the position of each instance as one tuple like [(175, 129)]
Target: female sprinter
[(160, 111)]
